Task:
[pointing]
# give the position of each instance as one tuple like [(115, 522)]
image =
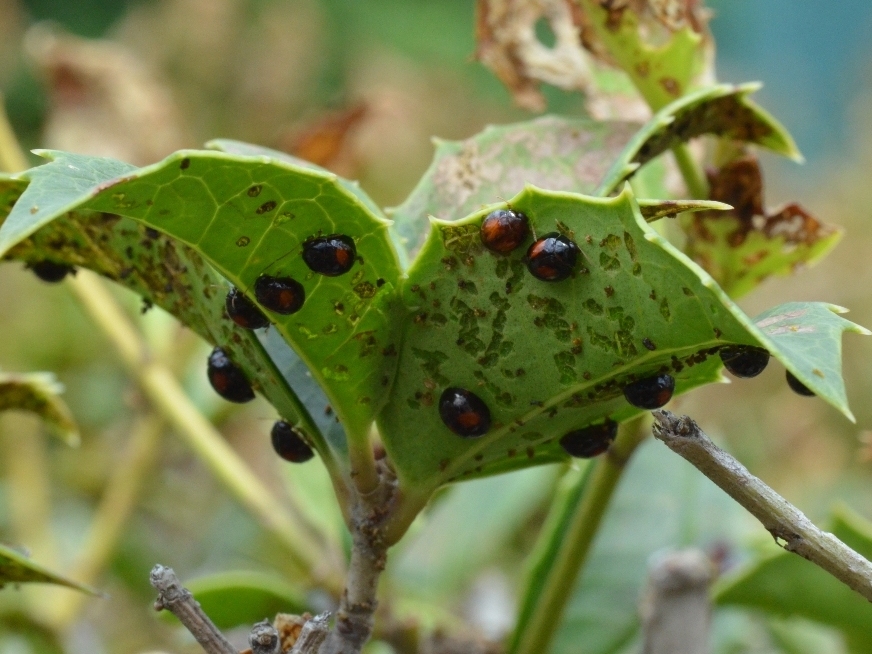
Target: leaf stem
[(29, 495), (364, 475), (117, 504), (570, 543), (691, 171), (787, 524), (170, 400)]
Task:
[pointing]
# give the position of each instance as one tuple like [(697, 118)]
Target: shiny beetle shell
[(464, 412), (797, 386), (552, 258), (651, 392), (288, 443), (744, 360), (590, 441), (504, 230), (227, 378), (283, 295), (332, 255), (243, 311), (51, 272)]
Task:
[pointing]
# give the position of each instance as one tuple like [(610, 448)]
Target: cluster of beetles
[(551, 258)]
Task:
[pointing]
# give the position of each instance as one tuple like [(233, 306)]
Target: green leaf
[(561, 154), (169, 274), (547, 358), (740, 268), (15, 568), (652, 210), (743, 247), (807, 338), (248, 216), (661, 72), (723, 110), (38, 393), (466, 530), (784, 584), (661, 503), (242, 597)]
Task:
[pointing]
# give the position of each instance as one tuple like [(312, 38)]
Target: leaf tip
[(749, 87)]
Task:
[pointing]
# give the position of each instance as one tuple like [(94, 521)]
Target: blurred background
[(361, 87)]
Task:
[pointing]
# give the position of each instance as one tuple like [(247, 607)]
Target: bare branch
[(676, 609), (787, 524), (178, 600), (313, 635), (264, 639), (354, 618)]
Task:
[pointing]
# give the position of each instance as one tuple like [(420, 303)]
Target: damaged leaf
[(507, 44), (724, 110), (562, 154), (664, 66), (742, 247), (809, 337), (221, 204), (165, 273), (38, 392), (652, 210), (547, 358)]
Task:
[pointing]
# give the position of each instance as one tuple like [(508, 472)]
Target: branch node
[(264, 638), (787, 524), (177, 599)]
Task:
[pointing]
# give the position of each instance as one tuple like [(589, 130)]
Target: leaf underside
[(561, 154), (724, 110), (16, 568), (38, 392), (164, 272), (548, 358), (248, 216)]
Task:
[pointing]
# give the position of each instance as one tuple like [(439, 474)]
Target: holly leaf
[(807, 337), (167, 273), (743, 247), (652, 210), (38, 392), (16, 568), (562, 154), (783, 584), (548, 358), (724, 110), (661, 72), (248, 216)]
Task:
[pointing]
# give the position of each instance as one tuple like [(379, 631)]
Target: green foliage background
[(409, 59)]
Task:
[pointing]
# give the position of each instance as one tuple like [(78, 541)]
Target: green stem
[(568, 544), (12, 159), (112, 514), (309, 553), (691, 171), (364, 474), (28, 486), (27, 478)]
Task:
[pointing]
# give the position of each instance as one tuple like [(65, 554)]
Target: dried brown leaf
[(104, 100), (326, 141), (507, 44)]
